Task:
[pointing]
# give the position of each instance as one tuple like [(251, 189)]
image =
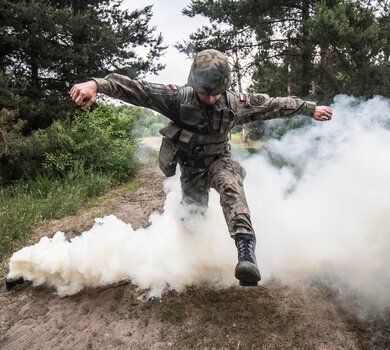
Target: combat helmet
[(210, 72)]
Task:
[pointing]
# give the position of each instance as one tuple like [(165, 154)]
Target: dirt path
[(309, 315)]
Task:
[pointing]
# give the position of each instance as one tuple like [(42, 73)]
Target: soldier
[(202, 113)]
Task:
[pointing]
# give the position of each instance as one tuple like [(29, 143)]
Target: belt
[(198, 163)]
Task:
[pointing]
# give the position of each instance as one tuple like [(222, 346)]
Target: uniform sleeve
[(253, 107), (159, 97)]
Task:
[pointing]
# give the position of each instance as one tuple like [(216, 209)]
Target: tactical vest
[(199, 133)]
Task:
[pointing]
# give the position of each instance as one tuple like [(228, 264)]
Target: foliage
[(99, 140), (104, 141), (48, 45), (347, 35)]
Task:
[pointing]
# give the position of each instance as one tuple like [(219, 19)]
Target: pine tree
[(347, 35), (49, 45)]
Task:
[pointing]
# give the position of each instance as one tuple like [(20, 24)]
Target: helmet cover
[(210, 72)]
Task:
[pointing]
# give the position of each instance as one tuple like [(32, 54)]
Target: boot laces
[(246, 248)]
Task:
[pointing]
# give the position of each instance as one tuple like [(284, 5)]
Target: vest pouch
[(167, 159), (170, 131), (186, 141)]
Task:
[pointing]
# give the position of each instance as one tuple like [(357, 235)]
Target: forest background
[(54, 157)]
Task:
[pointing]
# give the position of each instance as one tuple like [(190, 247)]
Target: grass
[(26, 204)]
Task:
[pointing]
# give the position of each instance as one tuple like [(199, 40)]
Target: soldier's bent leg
[(226, 176)]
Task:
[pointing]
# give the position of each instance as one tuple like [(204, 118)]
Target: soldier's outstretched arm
[(254, 106), (159, 97)]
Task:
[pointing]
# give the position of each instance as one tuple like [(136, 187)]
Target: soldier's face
[(209, 100)]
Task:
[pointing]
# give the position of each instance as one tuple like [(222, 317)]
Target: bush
[(103, 141), (98, 140)]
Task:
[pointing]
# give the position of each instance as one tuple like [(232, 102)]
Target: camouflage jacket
[(194, 137)]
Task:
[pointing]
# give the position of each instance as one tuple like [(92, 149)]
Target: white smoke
[(329, 209), (333, 215), (173, 252)]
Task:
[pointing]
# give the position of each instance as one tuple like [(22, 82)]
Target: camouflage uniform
[(200, 132)]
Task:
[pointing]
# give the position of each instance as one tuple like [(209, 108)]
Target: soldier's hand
[(84, 94), (322, 113)]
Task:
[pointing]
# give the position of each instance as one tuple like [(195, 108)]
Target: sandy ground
[(308, 315)]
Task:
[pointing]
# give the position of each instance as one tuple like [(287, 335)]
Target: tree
[(48, 45), (347, 36)]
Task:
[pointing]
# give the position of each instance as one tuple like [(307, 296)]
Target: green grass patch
[(26, 204)]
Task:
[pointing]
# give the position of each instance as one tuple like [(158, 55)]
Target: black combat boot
[(247, 271)]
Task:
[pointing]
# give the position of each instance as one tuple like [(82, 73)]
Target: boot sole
[(248, 274), (249, 284)]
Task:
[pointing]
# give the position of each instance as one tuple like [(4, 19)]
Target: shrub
[(104, 142), (98, 140)]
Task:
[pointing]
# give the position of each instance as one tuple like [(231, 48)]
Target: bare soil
[(311, 314)]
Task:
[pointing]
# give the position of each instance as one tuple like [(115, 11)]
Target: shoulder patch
[(257, 99), (172, 86)]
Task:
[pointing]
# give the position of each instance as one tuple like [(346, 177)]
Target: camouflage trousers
[(226, 176)]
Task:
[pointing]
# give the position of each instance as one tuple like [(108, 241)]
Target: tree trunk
[(307, 52)]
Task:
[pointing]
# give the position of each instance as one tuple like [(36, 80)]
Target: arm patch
[(256, 99)]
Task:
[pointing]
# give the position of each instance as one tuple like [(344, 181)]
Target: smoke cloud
[(326, 209)]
